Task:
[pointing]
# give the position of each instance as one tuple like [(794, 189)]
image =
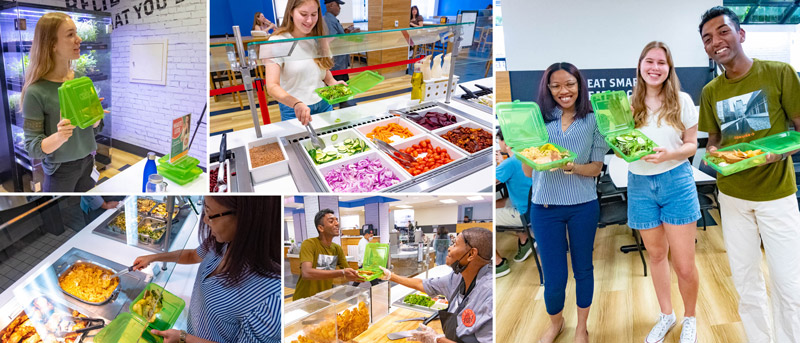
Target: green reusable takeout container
[(614, 117), (358, 84), (182, 171), (78, 102), (780, 143), (523, 127), (751, 162), (126, 328), (376, 255), (172, 306)]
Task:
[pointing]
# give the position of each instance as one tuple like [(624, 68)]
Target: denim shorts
[(287, 113), (669, 197)]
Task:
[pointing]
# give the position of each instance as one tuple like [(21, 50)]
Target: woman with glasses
[(564, 210), (236, 295)]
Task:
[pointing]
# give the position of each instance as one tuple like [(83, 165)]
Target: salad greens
[(419, 299), (633, 142), (335, 91)]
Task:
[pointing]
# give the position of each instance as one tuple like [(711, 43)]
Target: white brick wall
[(143, 113)]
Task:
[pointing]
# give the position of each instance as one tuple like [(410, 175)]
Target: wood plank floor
[(625, 305)]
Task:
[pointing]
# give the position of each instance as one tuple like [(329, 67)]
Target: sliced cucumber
[(334, 137)]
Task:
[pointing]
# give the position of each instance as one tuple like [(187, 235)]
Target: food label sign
[(180, 138)]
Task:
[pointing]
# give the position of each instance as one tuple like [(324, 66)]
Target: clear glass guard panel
[(294, 49)]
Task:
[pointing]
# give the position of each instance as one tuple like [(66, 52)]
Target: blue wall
[(451, 7), (227, 13)]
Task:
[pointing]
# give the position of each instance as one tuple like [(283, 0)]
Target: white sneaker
[(689, 331), (659, 331)]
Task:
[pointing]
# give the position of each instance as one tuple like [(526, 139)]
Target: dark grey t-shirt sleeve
[(34, 123), (443, 285)]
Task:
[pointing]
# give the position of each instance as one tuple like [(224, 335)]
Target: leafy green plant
[(13, 102), (86, 64), (633, 142), (18, 67), (87, 30)]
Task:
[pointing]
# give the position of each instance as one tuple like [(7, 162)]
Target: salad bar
[(152, 224), (435, 134)]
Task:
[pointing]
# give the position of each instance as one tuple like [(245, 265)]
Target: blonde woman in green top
[(67, 152)]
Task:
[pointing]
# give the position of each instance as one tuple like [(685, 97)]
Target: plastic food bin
[(614, 118), (523, 127)]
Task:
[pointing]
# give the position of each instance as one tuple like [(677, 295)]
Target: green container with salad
[(357, 85), (169, 307), (525, 132), (615, 122), (375, 256), (126, 328)]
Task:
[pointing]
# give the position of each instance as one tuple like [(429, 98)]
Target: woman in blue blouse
[(237, 291), (564, 206)]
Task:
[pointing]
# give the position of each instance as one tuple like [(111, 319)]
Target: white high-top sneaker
[(689, 331), (659, 331)]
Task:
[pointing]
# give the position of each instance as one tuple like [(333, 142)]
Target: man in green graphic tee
[(319, 257), (753, 99)]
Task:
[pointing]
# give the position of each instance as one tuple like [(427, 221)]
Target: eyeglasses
[(557, 87), (211, 217)]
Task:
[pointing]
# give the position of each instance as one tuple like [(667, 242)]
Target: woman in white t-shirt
[(662, 196), (293, 82)]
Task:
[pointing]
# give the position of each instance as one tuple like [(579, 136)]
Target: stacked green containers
[(78, 102), (523, 127), (780, 143), (358, 84), (183, 171), (375, 256), (614, 119)]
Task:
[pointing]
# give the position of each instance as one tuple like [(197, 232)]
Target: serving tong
[(402, 157)]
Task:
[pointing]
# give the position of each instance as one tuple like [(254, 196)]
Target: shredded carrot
[(384, 133)]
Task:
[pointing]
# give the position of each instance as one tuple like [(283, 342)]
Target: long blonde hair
[(256, 22), (670, 110), (319, 29), (42, 56)]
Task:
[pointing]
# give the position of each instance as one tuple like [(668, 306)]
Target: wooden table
[(377, 332)]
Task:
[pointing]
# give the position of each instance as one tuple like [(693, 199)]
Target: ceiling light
[(475, 198), (404, 206), (448, 201)]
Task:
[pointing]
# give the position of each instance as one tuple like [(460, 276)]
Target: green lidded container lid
[(172, 306), (126, 328), (79, 102), (365, 81), (376, 254), (613, 112), (522, 124), (179, 177), (184, 164), (780, 143)]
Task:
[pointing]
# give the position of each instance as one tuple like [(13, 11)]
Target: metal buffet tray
[(46, 283), (475, 104), (306, 179), (113, 294), (107, 230), (237, 161), (400, 303)]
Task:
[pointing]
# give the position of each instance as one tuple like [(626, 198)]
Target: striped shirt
[(558, 188), (247, 313)]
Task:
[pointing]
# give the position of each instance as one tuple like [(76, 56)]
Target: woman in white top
[(293, 82), (261, 23), (662, 196)]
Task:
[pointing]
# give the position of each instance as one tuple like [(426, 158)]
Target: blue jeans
[(287, 113), (669, 197), (552, 225)]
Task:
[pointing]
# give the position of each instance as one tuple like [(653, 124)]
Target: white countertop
[(618, 170), (475, 182), (180, 282), (130, 181)]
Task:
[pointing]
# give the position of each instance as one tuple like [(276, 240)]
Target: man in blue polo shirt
[(509, 172)]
